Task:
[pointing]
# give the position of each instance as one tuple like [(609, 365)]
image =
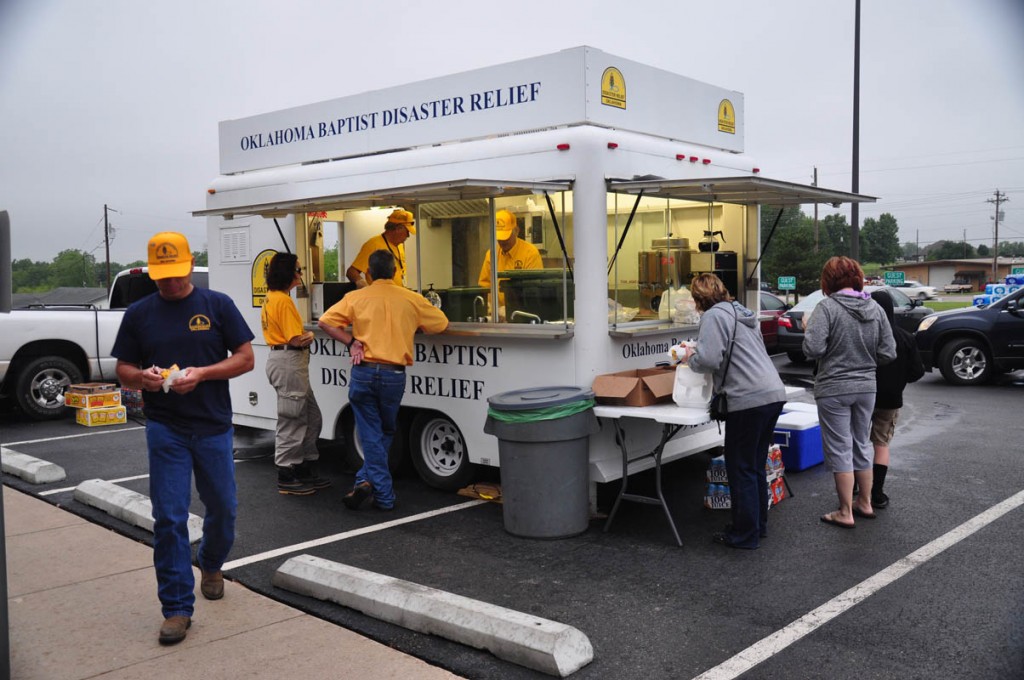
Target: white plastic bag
[(691, 389)]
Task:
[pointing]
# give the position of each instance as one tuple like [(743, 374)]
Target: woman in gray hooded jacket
[(755, 395), (849, 336)]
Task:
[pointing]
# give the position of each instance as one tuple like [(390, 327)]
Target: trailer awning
[(457, 190), (741, 190)]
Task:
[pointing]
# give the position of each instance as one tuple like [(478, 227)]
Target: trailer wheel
[(966, 362), (40, 387), (439, 452), (353, 450)]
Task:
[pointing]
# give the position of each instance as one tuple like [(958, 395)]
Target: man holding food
[(188, 420)]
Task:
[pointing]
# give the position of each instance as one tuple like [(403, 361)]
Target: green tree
[(30, 277), (984, 251), (331, 263), (73, 268), (202, 258), (946, 250), (791, 250), (879, 239), (1011, 249), (834, 235), (909, 250)]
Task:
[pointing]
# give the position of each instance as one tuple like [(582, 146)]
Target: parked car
[(772, 307), (45, 349), (908, 314), (958, 286), (970, 346), (917, 290)]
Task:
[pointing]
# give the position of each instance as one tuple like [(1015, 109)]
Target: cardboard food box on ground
[(637, 387), (76, 399), (91, 388), (93, 417)]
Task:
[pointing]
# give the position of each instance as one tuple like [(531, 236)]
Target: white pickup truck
[(45, 349), (958, 287)]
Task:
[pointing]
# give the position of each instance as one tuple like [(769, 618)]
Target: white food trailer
[(628, 179)]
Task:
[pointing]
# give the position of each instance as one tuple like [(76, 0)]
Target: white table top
[(668, 413), (661, 413)]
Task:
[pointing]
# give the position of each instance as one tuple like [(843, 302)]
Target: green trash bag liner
[(547, 413)]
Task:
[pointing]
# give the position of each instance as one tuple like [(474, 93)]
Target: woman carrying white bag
[(729, 346)]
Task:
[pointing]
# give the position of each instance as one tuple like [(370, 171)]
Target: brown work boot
[(359, 494), (174, 629), (212, 584)]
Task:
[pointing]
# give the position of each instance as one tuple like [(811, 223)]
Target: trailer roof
[(456, 190), (742, 190)]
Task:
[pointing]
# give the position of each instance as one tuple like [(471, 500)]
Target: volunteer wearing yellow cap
[(188, 421), (514, 253), (397, 229)]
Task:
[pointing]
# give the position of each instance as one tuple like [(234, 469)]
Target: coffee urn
[(666, 265)]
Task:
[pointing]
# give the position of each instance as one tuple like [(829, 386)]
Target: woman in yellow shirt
[(298, 415)]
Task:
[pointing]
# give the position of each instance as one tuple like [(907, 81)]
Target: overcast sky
[(117, 101)]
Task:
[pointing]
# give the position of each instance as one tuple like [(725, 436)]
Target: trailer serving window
[(663, 232), (458, 224)]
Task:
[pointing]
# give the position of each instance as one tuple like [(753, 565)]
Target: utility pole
[(965, 243), (1000, 198), (855, 207), (815, 183), (106, 239)]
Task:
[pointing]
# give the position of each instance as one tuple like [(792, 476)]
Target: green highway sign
[(1016, 270), (894, 278), (787, 283)]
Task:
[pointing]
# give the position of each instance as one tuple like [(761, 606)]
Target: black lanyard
[(398, 258)]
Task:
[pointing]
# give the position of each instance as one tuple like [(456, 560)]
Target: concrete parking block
[(128, 506), (541, 644), (30, 468)]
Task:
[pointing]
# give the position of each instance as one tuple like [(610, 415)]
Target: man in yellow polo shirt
[(396, 230), (384, 318), (514, 252)]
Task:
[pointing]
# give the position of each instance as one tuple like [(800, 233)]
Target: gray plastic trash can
[(543, 443)]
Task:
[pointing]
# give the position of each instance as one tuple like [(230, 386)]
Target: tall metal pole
[(1000, 198), (106, 238), (855, 207), (815, 212)]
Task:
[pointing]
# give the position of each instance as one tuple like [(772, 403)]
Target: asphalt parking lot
[(933, 588)]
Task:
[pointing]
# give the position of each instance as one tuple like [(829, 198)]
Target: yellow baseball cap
[(506, 223), (169, 256), (404, 218)]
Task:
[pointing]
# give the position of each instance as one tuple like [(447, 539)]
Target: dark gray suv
[(971, 346)]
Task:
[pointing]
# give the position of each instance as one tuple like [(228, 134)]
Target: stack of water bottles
[(994, 291), (716, 497)]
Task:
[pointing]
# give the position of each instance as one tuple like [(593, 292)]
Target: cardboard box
[(92, 400), (94, 417), (638, 387), (91, 388)]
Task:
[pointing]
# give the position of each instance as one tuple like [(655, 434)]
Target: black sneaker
[(290, 485), (359, 494), (879, 500), (306, 472)]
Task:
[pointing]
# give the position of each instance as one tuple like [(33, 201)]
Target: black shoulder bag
[(719, 407)]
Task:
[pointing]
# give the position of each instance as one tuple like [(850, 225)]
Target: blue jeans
[(375, 394), (748, 434), (173, 456)]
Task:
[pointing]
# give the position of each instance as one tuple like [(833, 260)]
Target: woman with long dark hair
[(298, 415)]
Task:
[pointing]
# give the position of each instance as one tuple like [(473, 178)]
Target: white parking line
[(776, 642), (270, 554), (75, 436)]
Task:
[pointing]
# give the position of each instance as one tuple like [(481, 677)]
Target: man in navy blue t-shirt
[(188, 420)]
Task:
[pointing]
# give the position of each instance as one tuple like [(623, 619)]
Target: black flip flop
[(827, 519), (857, 512)]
